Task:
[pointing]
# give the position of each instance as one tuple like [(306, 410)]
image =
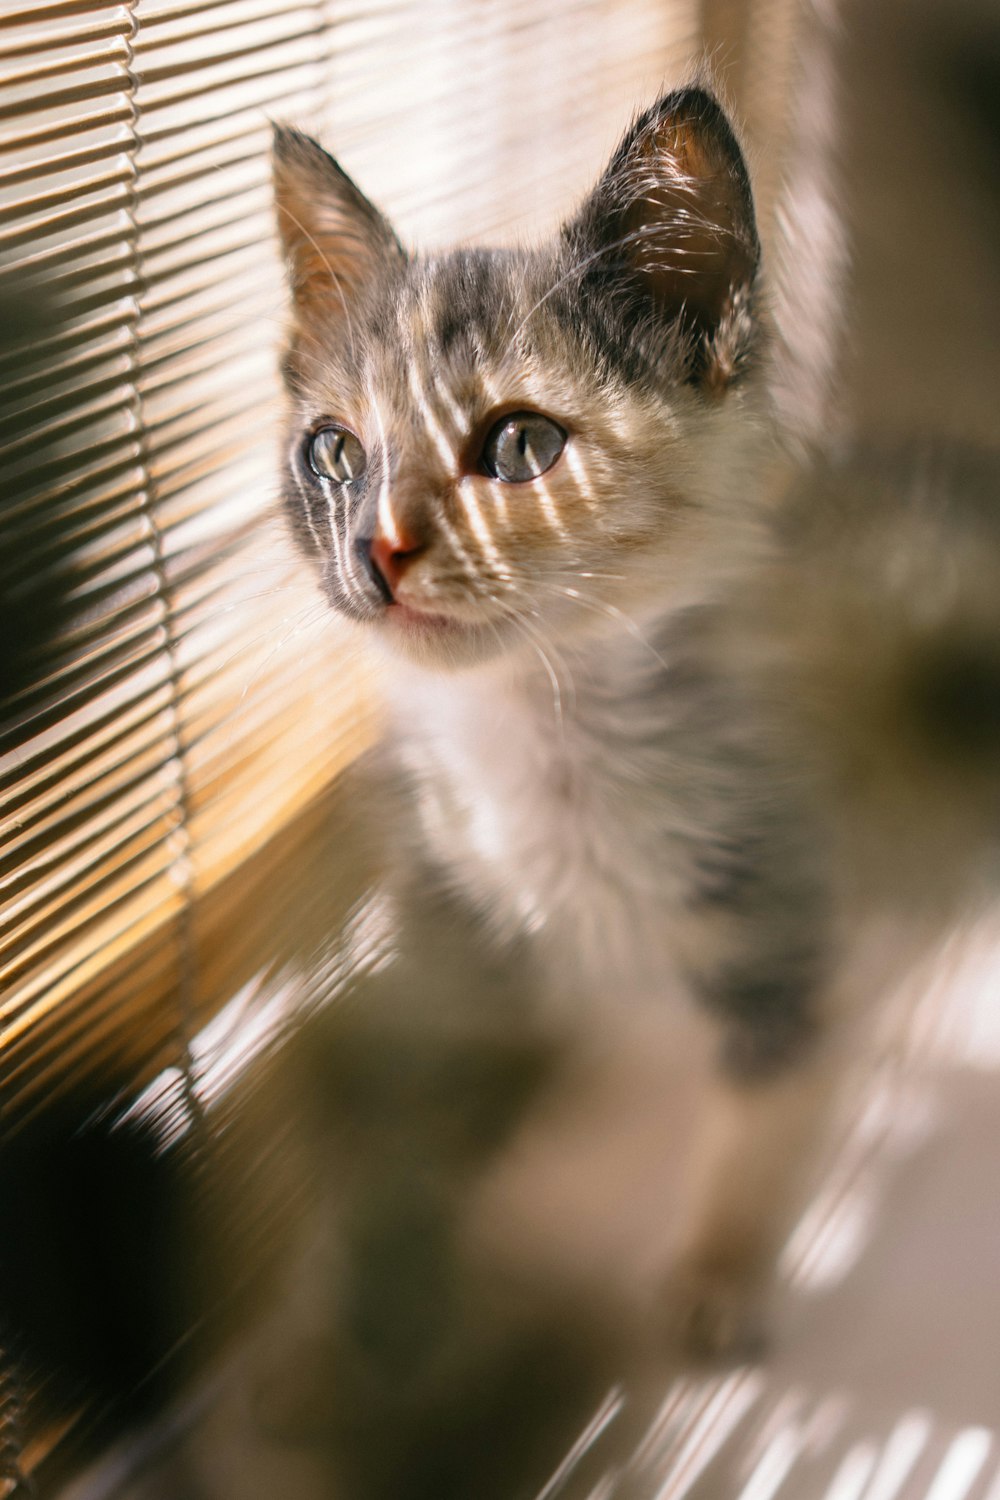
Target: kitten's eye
[(522, 446), (335, 453)]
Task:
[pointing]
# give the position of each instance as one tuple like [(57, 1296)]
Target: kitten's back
[(874, 635)]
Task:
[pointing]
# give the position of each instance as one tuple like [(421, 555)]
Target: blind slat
[(89, 32), (34, 17)]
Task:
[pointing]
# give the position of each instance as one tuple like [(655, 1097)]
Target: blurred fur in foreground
[(874, 633)]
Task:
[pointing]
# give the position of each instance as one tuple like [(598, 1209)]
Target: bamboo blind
[(176, 703)]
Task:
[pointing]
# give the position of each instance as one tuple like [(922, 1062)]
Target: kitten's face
[(489, 449)]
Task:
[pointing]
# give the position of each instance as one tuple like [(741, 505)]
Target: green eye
[(522, 446), (335, 453)]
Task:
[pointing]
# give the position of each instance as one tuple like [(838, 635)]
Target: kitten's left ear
[(672, 219), (336, 243)]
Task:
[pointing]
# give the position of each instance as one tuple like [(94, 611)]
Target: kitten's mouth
[(435, 639), (407, 618)]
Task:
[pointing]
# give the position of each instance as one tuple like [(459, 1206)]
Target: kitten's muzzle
[(385, 560)]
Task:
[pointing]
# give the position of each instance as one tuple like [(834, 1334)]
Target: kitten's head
[(489, 448)]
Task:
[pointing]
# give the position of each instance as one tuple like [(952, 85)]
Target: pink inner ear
[(694, 254), (698, 246), (336, 243), (328, 258)]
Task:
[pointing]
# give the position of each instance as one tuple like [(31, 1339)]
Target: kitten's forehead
[(462, 306), (470, 328)]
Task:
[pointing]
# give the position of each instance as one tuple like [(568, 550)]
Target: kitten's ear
[(336, 243), (674, 215)]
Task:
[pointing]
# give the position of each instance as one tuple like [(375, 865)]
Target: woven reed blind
[(175, 702)]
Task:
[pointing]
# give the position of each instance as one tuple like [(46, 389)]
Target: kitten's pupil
[(522, 446), (335, 453)]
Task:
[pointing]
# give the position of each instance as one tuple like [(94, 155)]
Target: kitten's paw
[(713, 1312)]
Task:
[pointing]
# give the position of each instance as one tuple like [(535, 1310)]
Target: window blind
[(177, 704)]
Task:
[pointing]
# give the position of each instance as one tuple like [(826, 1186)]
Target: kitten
[(546, 482)]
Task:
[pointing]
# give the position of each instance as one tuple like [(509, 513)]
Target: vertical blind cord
[(181, 864)]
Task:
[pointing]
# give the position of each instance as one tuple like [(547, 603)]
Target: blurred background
[(299, 1197)]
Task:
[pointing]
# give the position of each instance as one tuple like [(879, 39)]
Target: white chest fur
[(554, 815)]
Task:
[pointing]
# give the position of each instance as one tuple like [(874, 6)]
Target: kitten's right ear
[(672, 223), (335, 242)]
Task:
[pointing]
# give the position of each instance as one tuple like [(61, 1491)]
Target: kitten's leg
[(753, 1164)]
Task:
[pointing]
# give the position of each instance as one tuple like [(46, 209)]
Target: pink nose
[(392, 556)]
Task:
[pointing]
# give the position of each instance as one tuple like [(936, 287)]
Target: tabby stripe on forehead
[(386, 520), (431, 423), (450, 404), (478, 522), (448, 456)]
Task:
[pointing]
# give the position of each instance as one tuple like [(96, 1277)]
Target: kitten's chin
[(438, 641)]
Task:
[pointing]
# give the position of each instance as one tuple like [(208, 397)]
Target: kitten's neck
[(552, 690)]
